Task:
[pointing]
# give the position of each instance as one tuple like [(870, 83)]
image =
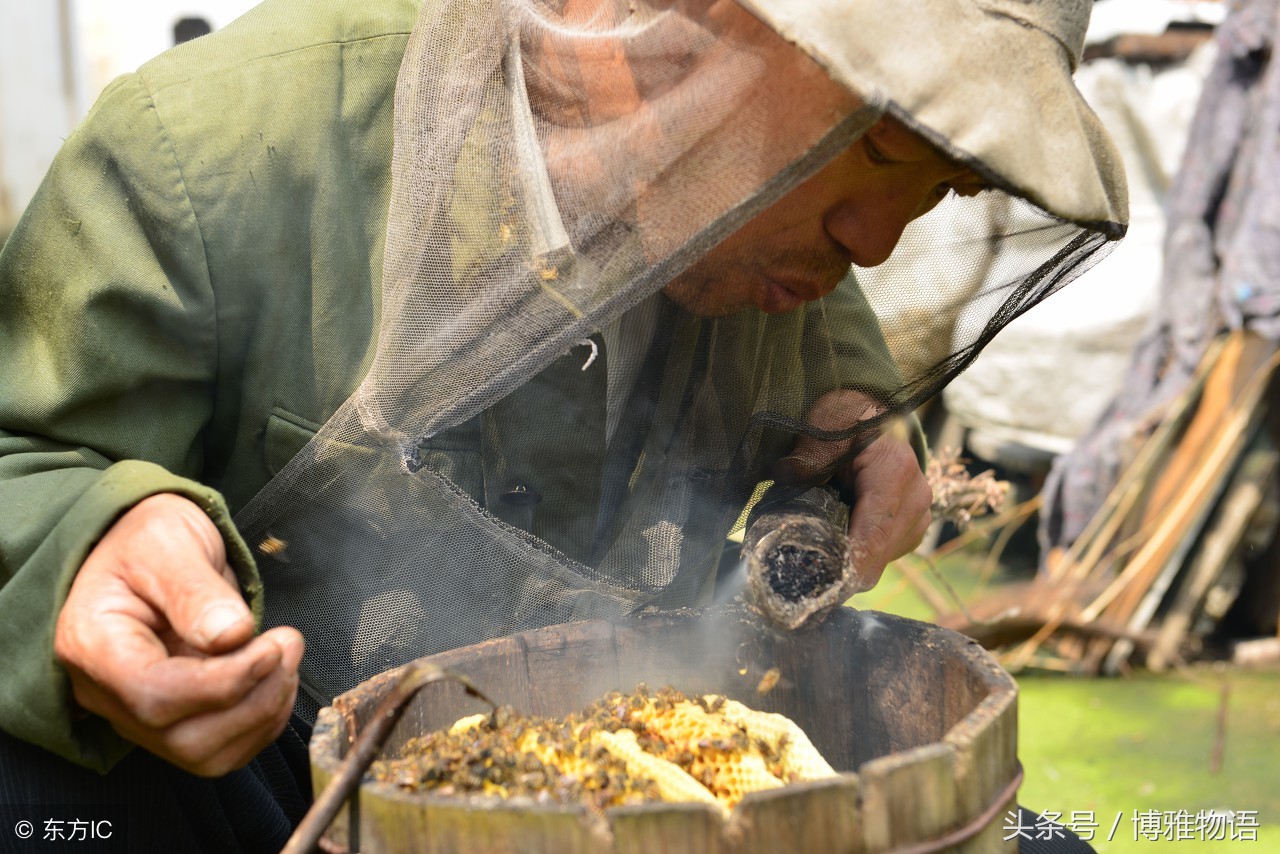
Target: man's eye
[(967, 189), (874, 154)]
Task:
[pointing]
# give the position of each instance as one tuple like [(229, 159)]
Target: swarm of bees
[(630, 748)]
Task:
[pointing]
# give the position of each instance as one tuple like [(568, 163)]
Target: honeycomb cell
[(622, 749)]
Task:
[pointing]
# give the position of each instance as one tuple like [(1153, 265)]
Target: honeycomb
[(796, 757), (629, 748), (715, 752)]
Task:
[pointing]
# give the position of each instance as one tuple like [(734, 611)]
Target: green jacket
[(192, 289), (192, 293)]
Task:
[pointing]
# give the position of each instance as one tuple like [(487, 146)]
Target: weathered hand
[(157, 639), (891, 496), (891, 510)]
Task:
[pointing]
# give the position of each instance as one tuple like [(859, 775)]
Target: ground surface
[(1141, 749)]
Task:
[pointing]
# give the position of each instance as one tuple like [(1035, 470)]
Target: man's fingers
[(870, 537), (226, 734), (159, 689), (239, 752), (156, 638), (891, 497), (291, 645), (217, 742), (164, 564), (892, 512), (834, 411), (176, 560)]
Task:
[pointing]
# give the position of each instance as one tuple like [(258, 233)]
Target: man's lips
[(783, 295)]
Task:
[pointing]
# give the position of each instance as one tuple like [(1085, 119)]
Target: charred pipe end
[(796, 571)]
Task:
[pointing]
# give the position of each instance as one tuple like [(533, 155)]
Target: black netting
[(592, 345), (959, 275)]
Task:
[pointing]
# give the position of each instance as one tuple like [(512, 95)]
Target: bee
[(273, 546), (769, 680)]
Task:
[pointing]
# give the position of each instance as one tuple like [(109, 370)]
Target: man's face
[(851, 212)]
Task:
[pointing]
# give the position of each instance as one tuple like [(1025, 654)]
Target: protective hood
[(616, 288)]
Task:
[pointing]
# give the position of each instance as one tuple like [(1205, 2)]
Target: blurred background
[(1145, 644), (56, 56)]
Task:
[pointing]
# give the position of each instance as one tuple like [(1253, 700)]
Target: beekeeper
[(399, 328)]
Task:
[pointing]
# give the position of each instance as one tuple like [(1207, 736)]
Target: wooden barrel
[(921, 721)]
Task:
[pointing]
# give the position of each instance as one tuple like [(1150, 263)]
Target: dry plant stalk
[(959, 497)]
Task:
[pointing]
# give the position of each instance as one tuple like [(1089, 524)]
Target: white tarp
[(38, 90), (1049, 374)]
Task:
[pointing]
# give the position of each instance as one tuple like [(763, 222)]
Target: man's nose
[(869, 229)]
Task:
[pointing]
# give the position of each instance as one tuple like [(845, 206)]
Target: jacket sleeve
[(107, 361)]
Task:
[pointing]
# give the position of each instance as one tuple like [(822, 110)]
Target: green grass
[(1147, 742), (1127, 746)]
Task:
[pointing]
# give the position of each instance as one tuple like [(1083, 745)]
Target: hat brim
[(991, 91)]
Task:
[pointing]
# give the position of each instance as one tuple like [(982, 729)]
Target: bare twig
[(958, 496), (978, 530), (1022, 512), (935, 600), (1220, 736)]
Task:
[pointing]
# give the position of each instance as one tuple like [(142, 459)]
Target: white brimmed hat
[(989, 81)]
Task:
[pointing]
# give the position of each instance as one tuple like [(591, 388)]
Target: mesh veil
[(542, 435)]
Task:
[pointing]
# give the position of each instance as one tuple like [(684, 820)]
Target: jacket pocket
[(286, 435), (454, 455)]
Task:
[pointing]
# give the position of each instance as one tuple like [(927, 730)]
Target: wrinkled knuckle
[(154, 528), (876, 540), (891, 455), (195, 754), (151, 708), (922, 496), (187, 753), (66, 645), (200, 762)]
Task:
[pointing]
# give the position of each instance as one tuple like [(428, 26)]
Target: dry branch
[(958, 496), (1170, 529)]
